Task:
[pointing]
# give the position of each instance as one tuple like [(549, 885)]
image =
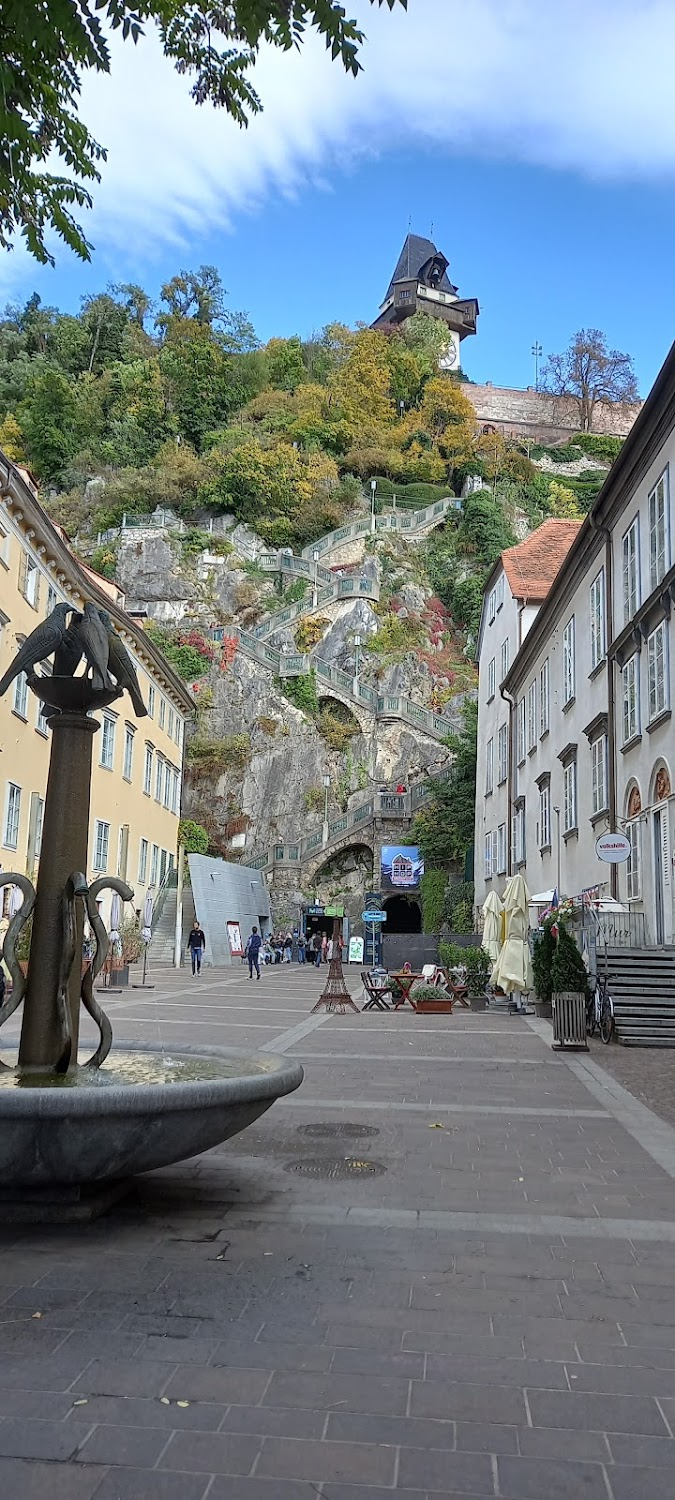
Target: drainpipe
[(509, 777), (611, 725)]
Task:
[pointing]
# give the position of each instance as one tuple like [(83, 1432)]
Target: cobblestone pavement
[(443, 1268), (649, 1073)]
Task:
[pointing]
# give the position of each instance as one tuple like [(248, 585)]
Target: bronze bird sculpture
[(121, 665), (41, 643), (91, 633), (68, 655)]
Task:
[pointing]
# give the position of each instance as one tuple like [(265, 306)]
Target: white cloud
[(577, 84)]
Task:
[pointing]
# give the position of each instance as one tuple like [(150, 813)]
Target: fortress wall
[(542, 417)]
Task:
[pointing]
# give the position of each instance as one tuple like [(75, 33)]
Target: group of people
[(276, 949)]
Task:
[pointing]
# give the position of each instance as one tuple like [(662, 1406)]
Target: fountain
[(73, 1134)]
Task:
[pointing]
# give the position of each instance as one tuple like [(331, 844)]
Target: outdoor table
[(405, 982), (376, 993)]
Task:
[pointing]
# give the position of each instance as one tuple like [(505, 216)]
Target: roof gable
[(415, 253), (532, 566)]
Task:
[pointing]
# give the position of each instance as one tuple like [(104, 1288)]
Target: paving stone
[(561, 1442), (445, 1472), (408, 1432), (137, 1447), (136, 1411), (211, 1453), (268, 1422), (485, 1437), (637, 1483), (554, 1479), (349, 1392), (27, 1438), (538, 1374), (621, 1381), (468, 1403), (22, 1480), (151, 1484), (273, 1356), (644, 1451), (246, 1387), (183, 1351), (357, 1463), (596, 1413), (361, 1362), (54, 1372), (137, 1377), (46, 1405), (270, 1489)]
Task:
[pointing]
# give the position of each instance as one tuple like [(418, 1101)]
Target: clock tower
[(420, 283)]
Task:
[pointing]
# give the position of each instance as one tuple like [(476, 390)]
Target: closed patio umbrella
[(492, 912), (148, 909), (513, 968), (115, 918)]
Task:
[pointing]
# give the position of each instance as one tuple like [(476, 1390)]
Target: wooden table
[(406, 982)]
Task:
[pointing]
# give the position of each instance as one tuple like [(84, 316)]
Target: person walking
[(288, 947), (324, 948), (253, 947), (329, 951), (301, 947), (196, 946), (317, 949)]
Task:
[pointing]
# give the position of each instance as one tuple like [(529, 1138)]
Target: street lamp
[(326, 785), (315, 587), (401, 409), (537, 352), (373, 487), (357, 646)]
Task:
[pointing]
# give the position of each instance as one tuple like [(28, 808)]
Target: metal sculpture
[(54, 990), (336, 996)]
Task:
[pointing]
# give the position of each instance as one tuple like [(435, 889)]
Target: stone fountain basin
[(145, 1108)]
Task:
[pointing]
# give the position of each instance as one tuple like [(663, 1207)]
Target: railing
[(390, 521), (169, 883), (383, 805), (339, 588)]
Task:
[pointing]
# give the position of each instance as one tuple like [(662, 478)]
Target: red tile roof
[(532, 565)]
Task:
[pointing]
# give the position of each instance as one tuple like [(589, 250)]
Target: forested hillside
[(127, 405)]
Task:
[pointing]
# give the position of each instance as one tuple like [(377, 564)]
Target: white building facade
[(590, 692)]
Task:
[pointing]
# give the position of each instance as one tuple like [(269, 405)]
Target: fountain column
[(64, 850)]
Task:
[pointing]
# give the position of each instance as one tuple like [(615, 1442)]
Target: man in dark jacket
[(196, 946), (253, 947)]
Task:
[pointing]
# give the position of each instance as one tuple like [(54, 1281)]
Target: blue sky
[(545, 168)]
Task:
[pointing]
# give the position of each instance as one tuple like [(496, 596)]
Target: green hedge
[(432, 887)]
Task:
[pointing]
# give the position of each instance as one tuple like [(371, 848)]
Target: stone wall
[(542, 417)]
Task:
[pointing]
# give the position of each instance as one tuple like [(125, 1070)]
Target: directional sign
[(373, 916)]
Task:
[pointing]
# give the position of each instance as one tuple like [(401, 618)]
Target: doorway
[(663, 907), (403, 915)]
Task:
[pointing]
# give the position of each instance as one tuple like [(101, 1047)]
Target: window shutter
[(23, 571)]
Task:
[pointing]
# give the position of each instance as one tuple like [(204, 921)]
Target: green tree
[(484, 531), (192, 836), (48, 422), (45, 49), (444, 827), (285, 363)]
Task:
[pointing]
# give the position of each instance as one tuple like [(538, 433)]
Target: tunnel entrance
[(402, 915)]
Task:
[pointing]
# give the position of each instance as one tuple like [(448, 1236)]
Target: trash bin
[(569, 1021)]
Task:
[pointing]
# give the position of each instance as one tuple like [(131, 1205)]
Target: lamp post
[(537, 352), (401, 409), (326, 785), (315, 585), (373, 487), (557, 814), (357, 654)]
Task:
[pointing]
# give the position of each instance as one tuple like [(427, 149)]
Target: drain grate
[(342, 1128), (330, 1169)]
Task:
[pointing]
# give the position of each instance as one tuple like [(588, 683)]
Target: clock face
[(448, 359)]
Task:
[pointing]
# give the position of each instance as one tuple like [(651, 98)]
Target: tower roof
[(415, 256)]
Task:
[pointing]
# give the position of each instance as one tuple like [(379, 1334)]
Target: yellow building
[(137, 763)]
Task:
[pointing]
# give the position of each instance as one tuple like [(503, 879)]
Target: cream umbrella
[(513, 968), (492, 926)]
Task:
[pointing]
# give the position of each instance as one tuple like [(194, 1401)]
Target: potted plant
[(478, 966), (542, 968), (570, 991), (431, 1000)]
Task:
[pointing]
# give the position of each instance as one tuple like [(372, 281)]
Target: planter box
[(478, 1002), (569, 1021), (434, 1007), (543, 1009)]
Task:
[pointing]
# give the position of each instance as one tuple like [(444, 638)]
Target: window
[(490, 767), (518, 829), (107, 743), (532, 716), (545, 815), (151, 701), (502, 753), (492, 606), (599, 774), (39, 820), (598, 619), (568, 662), (570, 796), (159, 779), (143, 862), (491, 679), (30, 580), (633, 871), (658, 688), (175, 795), (21, 695), (166, 799), (147, 771), (128, 752), (500, 591), (101, 843), (170, 725), (12, 815), (505, 658), (630, 548), (501, 849), (521, 731), (488, 856), (179, 732), (544, 697), (4, 547), (658, 531), (154, 864), (42, 722), (52, 598), (162, 712), (630, 692)]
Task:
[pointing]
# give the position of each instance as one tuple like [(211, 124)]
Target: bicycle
[(600, 1011)]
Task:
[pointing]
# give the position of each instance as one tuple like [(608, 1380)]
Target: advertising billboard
[(402, 867)]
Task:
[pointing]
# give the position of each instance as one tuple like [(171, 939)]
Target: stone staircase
[(641, 982), (160, 950)]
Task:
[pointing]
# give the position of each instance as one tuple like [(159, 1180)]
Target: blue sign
[(373, 916)]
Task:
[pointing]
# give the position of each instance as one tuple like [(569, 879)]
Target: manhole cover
[(327, 1132), (331, 1168)]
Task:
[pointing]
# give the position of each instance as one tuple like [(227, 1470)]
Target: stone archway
[(403, 914)]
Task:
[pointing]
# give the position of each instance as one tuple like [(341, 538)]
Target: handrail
[(339, 588)]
